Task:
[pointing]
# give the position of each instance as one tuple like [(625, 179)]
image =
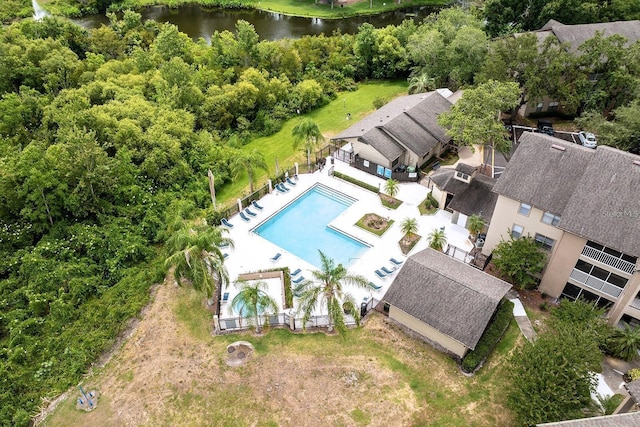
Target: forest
[(107, 134)]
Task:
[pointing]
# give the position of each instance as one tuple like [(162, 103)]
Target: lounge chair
[(295, 273), (226, 223), (395, 261), (225, 297), (244, 217), (280, 189), (225, 255), (298, 280), (374, 286), (284, 187), (380, 274), (256, 205), (387, 271), (249, 212), (291, 182), (276, 257)]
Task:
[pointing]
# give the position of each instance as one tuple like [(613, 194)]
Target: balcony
[(635, 303), (595, 283), (609, 260)]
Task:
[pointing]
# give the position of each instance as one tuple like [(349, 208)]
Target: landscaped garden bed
[(374, 223), (389, 202), (408, 241)]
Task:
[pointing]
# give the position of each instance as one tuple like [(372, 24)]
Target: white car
[(587, 139)]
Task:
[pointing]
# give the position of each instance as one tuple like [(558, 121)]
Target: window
[(544, 242), (551, 219), (386, 307), (516, 231), (553, 106), (524, 209), (539, 107), (462, 175)]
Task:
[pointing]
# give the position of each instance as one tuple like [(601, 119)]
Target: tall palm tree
[(248, 161), (306, 132), (475, 225), (437, 239), (409, 225), (625, 342), (194, 251), (391, 187), (326, 288), (422, 82), (253, 301)]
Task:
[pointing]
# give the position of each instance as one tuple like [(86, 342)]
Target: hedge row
[(357, 182), (490, 338)]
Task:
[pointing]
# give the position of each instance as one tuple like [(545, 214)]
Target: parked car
[(545, 126), (587, 139)]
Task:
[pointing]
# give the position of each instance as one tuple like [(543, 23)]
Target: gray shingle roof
[(450, 296), (595, 192), (465, 168), (605, 206), (408, 121), (541, 175), (576, 35), (631, 419), (634, 390), (477, 198), (444, 178)]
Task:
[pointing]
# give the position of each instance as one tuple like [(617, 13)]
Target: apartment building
[(582, 206)]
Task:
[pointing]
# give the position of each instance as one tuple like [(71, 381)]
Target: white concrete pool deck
[(252, 253)]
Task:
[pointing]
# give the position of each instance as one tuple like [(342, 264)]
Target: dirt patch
[(168, 374)]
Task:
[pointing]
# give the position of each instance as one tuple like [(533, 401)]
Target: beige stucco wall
[(505, 215), (439, 195), (622, 306), (566, 253), (427, 331), (369, 153)]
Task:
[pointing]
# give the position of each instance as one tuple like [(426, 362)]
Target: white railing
[(595, 283), (608, 259)]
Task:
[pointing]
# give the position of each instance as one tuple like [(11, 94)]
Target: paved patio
[(253, 253)]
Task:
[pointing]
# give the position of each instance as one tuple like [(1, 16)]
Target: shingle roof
[(444, 178), (595, 192), (634, 390), (477, 198), (542, 176), (408, 121), (631, 419), (450, 296), (465, 168), (576, 35), (605, 207)]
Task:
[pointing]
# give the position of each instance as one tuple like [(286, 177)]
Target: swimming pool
[(301, 228)]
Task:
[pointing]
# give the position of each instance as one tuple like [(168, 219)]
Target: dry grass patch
[(170, 373)]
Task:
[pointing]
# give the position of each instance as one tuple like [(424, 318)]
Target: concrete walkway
[(523, 320)]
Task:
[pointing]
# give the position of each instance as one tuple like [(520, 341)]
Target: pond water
[(197, 22)]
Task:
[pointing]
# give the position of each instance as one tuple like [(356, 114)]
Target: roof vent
[(636, 162), (558, 147)]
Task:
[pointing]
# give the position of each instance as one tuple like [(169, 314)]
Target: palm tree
[(409, 225), (326, 288), (308, 133), (437, 239), (195, 253), (421, 83), (391, 187), (253, 301), (625, 342), (475, 225), (248, 161)]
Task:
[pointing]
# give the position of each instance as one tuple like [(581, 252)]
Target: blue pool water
[(301, 228)]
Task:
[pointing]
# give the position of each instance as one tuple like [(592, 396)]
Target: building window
[(544, 242), (516, 231), (573, 293), (386, 307), (524, 209), (539, 107), (462, 175), (551, 219), (553, 106)]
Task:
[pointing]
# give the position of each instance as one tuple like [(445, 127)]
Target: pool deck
[(252, 253)]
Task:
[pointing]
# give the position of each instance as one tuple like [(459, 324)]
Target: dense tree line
[(104, 135)]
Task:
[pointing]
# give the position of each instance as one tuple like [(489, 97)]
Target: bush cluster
[(359, 183), (430, 202), (490, 338)]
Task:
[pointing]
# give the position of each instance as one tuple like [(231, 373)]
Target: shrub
[(633, 374), (490, 338), (357, 182)]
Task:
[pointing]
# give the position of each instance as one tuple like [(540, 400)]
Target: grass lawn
[(310, 8), (331, 120), (173, 372)]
